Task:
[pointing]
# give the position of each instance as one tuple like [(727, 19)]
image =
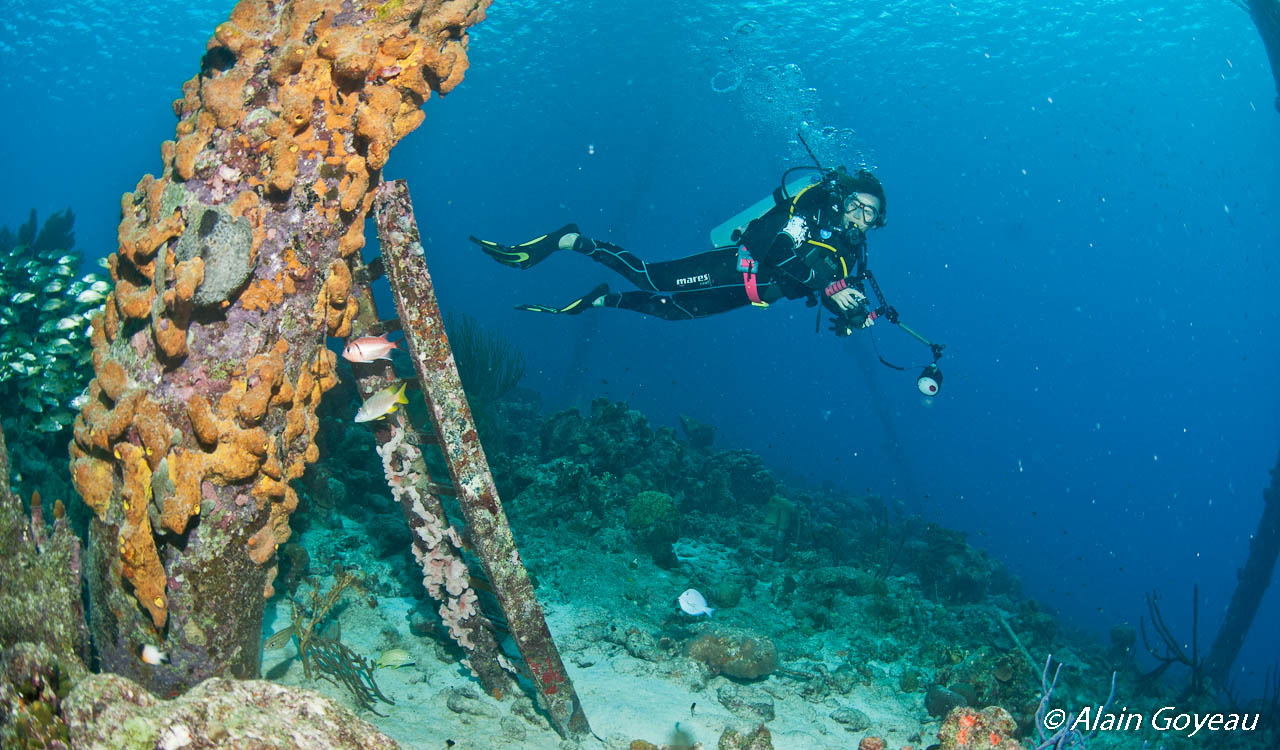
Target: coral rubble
[(232, 268), (40, 599)]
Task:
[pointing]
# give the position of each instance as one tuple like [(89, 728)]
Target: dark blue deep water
[(1083, 205)]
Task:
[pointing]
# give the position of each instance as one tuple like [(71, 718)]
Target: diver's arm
[(782, 256)]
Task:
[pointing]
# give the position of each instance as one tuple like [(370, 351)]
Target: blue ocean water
[(1082, 206)]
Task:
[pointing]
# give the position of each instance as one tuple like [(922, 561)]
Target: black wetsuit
[(798, 245)]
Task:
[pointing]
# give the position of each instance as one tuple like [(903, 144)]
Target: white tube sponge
[(444, 574)]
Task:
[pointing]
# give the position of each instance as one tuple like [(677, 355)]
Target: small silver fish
[(393, 658), (90, 297), (48, 424)]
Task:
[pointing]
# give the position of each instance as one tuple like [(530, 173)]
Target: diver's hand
[(848, 299), (844, 326)]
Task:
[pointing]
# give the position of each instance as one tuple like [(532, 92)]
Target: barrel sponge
[(112, 379), (171, 336), (153, 429), (224, 245), (136, 490), (94, 481), (120, 418), (354, 194), (266, 373), (407, 121), (254, 16), (448, 65), (353, 239), (204, 423), (140, 563), (353, 54), (335, 303), (284, 164), (262, 545), (224, 96), (185, 470), (239, 458), (286, 63), (132, 300), (246, 48), (399, 46), (189, 275), (108, 323), (296, 104)]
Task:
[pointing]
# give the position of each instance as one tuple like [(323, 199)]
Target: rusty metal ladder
[(471, 481)]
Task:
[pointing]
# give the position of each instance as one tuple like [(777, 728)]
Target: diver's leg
[(678, 305), (531, 253), (593, 298), (700, 271)]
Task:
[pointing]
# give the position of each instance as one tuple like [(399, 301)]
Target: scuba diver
[(811, 244)]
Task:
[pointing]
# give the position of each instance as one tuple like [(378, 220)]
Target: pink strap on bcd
[(749, 282)]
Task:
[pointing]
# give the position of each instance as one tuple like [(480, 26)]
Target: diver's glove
[(841, 327), (845, 327)]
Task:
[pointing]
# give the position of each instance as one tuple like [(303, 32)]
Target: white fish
[(369, 348), (694, 603), (152, 655), (382, 403), (90, 297)]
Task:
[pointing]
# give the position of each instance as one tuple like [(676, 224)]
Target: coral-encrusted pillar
[(232, 269)]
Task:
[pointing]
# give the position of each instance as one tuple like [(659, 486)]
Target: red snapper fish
[(369, 348)]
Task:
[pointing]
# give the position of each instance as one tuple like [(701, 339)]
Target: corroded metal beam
[(399, 443), (456, 432)]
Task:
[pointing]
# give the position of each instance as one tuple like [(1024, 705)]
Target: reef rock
[(109, 711), (736, 653)]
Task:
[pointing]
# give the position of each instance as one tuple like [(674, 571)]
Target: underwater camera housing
[(930, 380)]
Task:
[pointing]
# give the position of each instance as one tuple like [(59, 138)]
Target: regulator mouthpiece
[(930, 380)]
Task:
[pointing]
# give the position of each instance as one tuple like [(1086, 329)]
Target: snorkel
[(929, 382)]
